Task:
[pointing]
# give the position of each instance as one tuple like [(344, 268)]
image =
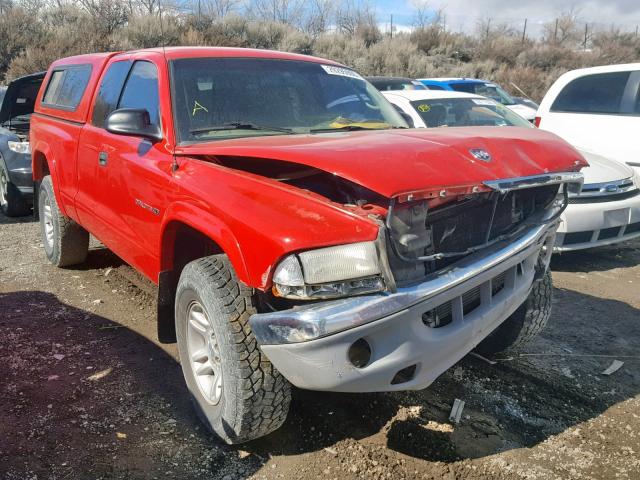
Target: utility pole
[(586, 34), (555, 32), (199, 9), (636, 31), (391, 27), (488, 28), (524, 31)]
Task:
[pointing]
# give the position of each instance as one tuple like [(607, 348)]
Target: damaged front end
[(423, 240)]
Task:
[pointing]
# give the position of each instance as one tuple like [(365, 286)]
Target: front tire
[(65, 242), (524, 324), (12, 203), (236, 390)]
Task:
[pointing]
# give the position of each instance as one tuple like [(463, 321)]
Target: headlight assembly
[(20, 147), (329, 272)]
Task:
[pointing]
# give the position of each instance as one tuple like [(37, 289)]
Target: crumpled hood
[(395, 162), (602, 169)]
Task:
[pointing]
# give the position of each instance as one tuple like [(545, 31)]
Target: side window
[(600, 93), (66, 87), (141, 90), (110, 88)]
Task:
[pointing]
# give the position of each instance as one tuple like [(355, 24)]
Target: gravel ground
[(87, 392)]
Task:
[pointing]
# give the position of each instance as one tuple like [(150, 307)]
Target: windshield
[(465, 112), (220, 98), (490, 90)]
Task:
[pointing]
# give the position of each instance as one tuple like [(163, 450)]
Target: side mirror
[(133, 121), (408, 119)]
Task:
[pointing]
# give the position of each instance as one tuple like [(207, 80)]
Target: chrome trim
[(574, 180), (310, 322), (605, 189)]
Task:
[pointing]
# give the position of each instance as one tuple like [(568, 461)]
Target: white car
[(483, 88), (598, 110), (606, 211), (443, 108)]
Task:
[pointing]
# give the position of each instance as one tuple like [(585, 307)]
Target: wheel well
[(40, 166), (181, 244)]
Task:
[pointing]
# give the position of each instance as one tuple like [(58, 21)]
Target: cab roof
[(173, 53)]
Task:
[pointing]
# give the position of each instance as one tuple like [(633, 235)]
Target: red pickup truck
[(298, 231)]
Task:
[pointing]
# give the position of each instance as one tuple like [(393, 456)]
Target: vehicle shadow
[(106, 401), (518, 402), (621, 255)]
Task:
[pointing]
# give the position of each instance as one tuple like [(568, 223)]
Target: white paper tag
[(343, 72), (483, 101)]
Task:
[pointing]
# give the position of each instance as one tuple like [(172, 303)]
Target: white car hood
[(602, 169), (525, 112)]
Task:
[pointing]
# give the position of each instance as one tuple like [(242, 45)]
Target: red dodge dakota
[(298, 231)]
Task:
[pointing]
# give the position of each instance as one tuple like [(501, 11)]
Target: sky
[(465, 14)]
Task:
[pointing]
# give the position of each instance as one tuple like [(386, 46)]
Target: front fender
[(203, 221)]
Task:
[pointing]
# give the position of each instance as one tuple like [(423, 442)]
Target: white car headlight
[(329, 272), (20, 147)]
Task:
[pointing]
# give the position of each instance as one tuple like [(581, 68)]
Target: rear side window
[(66, 87), (600, 93), (141, 90), (109, 93)]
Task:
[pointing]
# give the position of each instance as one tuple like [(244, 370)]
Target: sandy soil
[(87, 392)]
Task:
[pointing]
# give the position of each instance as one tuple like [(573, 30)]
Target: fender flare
[(43, 149)]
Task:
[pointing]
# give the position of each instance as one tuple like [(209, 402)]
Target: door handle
[(102, 159)]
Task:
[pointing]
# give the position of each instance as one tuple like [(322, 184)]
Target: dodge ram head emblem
[(480, 154)]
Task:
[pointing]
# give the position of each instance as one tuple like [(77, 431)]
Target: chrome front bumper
[(309, 345)]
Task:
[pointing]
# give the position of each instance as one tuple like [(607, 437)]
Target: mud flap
[(166, 300)]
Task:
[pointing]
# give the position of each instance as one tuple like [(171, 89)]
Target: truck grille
[(457, 227)]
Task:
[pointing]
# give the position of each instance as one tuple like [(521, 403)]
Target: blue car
[(480, 87)]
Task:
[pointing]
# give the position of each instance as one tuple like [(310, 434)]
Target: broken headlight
[(329, 272)]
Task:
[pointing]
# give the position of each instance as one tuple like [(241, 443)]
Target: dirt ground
[(86, 392)]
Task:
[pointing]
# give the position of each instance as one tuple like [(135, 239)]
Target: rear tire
[(65, 242), (236, 390), (524, 324), (12, 203)]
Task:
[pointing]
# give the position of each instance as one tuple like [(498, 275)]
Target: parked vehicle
[(16, 184), (395, 83), (597, 109), (483, 88), (298, 232), (438, 108), (3, 90), (527, 102), (605, 211)]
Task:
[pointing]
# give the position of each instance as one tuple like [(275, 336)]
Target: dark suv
[(16, 183)]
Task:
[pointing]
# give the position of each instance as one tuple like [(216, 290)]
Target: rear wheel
[(236, 390), (12, 202), (65, 242), (524, 324)]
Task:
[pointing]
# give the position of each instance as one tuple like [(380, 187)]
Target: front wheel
[(236, 390), (524, 324), (12, 203)]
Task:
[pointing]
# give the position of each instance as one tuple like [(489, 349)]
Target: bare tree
[(564, 29), (107, 15), (354, 15), (289, 12), (423, 15), (319, 16)]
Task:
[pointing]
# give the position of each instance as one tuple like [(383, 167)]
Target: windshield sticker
[(424, 108), (197, 108), (343, 72), (482, 101)]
